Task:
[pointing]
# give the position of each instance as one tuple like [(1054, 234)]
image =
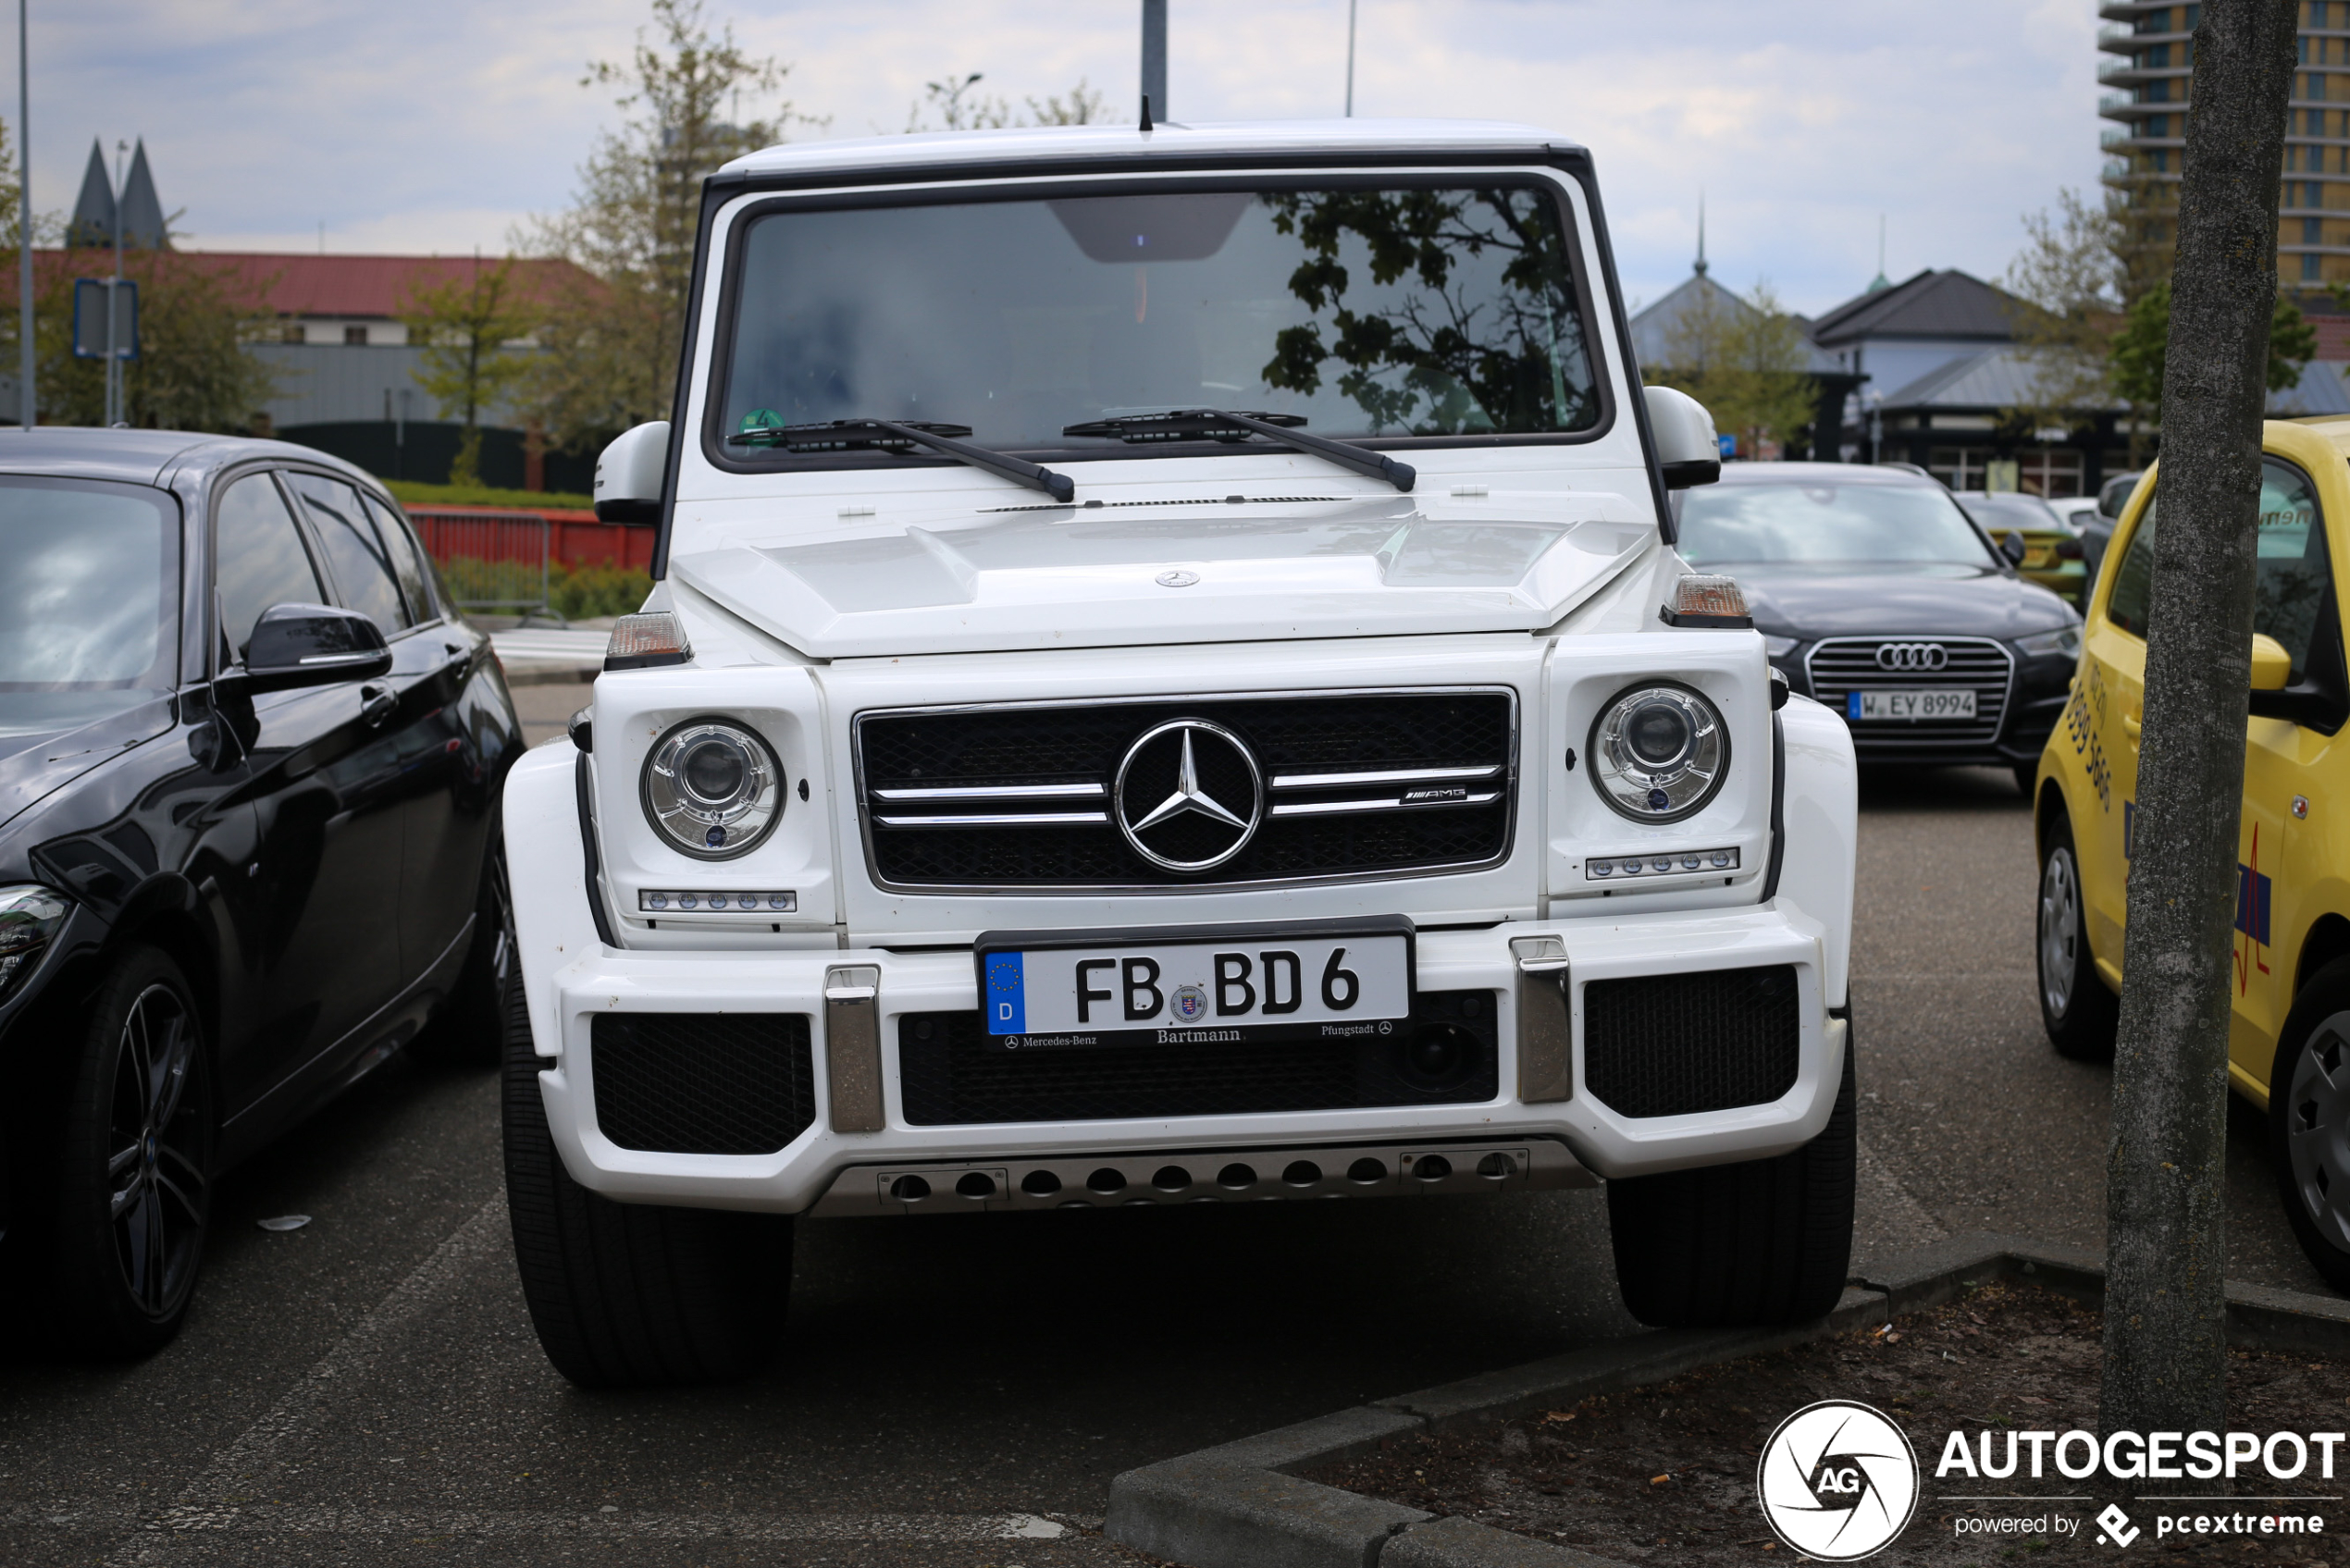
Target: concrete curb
[(1237, 1506)]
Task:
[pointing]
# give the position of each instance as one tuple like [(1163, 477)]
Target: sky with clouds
[(440, 124)]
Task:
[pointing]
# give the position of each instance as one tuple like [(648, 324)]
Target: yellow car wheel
[(2309, 1121), (2077, 1010)]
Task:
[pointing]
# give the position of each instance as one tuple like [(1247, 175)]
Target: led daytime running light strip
[(1664, 863)]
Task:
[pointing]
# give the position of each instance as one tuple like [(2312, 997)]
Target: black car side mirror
[(2012, 546), (313, 645)]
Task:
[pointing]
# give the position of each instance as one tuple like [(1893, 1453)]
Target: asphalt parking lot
[(367, 1389)]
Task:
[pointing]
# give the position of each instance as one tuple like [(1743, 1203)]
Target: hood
[(43, 746), (1068, 577), (1844, 598)]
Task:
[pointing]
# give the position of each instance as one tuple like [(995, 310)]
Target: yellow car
[(2051, 552), (2289, 1036)]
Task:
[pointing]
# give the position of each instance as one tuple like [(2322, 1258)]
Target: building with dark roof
[(1658, 329)]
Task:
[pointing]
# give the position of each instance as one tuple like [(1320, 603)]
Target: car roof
[(1129, 145), (1821, 474), (144, 457), (2333, 426)]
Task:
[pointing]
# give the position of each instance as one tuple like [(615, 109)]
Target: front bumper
[(1540, 1040)]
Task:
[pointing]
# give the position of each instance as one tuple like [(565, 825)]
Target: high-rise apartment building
[(2147, 78)]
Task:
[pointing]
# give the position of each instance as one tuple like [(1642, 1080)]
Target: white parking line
[(346, 1363), (204, 1507)]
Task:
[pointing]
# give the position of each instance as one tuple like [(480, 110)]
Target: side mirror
[(2271, 665), (2012, 546), (313, 645), (628, 474), (1687, 448)]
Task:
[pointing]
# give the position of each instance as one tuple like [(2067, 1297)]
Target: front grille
[(1663, 1045), (1843, 665), (1021, 795), (703, 1083), (950, 1077)]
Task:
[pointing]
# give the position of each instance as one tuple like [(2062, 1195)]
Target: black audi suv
[(1879, 596), (250, 762)]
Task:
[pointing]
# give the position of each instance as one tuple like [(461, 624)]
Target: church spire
[(1700, 233)]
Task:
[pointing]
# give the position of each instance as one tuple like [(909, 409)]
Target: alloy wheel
[(158, 1194), (2059, 931), (2318, 1129)]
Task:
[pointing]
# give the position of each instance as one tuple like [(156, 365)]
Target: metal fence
[(490, 560)]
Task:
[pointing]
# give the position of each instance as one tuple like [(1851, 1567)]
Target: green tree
[(196, 370), (1746, 361), (951, 105), (2066, 289), (610, 344), (2141, 350), (468, 328)]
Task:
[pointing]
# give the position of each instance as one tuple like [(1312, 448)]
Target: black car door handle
[(376, 704)]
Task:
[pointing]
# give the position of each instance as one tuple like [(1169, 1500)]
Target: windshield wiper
[(891, 434), (1221, 424)]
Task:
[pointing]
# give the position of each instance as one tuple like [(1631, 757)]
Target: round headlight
[(1659, 753), (712, 789)]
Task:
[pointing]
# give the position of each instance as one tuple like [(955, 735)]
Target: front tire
[(2309, 1121), (2075, 1008), (631, 1295), (1758, 1243), (134, 1165)]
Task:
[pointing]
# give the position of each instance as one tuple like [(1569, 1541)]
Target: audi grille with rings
[(1162, 744), (1877, 594)]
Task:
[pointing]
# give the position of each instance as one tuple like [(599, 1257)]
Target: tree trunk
[(2165, 1237)]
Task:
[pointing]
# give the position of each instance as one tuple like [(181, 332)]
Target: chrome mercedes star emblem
[(1189, 795)]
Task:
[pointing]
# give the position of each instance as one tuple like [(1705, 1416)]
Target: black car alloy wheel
[(137, 1148), (157, 1194)]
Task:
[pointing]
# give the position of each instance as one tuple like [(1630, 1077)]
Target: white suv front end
[(986, 824)]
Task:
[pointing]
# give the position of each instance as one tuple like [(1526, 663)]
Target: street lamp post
[(1154, 59), (1349, 59)]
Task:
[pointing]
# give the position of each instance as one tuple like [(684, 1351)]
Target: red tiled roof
[(296, 284)]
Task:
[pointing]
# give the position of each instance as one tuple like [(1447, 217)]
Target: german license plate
[(1332, 980), (1908, 705)]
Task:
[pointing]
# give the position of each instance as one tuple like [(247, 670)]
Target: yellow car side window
[(2134, 579), (2290, 586), (2290, 578)]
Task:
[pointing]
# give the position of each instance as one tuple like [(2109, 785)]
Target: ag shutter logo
[(1837, 1481)]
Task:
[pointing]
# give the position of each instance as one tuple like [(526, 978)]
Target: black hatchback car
[(250, 762), (1879, 596)]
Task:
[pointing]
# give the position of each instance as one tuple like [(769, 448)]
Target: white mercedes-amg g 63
[(1167, 680)]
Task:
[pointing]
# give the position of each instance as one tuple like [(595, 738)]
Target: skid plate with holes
[(1202, 1176)]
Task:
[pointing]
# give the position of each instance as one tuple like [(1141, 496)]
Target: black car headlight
[(31, 916), (712, 789), (1659, 753)]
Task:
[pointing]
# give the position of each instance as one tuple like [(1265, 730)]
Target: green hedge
[(409, 493), (577, 593)]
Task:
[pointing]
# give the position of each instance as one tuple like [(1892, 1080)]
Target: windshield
[(89, 600), (2011, 509), (1402, 312), (1881, 522)]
